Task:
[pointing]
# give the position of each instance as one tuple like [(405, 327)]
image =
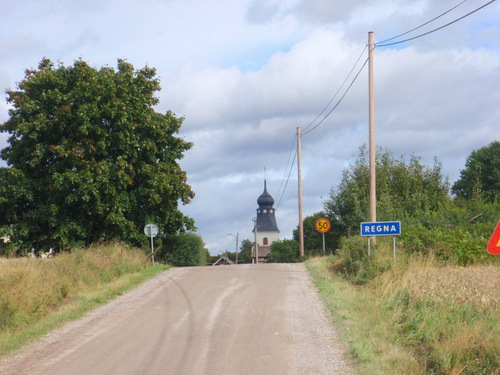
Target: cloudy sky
[(246, 73)]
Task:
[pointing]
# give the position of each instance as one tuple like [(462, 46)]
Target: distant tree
[(404, 188), (205, 257), (245, 255), (481, 175), (284, 251), (89, 159), (184, 249), (313, 240)]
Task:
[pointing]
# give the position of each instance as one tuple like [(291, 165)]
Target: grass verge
[(417, 317), (39, 295)]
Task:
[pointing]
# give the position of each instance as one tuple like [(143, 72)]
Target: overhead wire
[(434, 30), (340, 88), (308, 131), (339, 101), (287, 180), (286, 168), (424, 24), (383, 43)]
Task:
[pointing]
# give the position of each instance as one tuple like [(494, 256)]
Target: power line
[(318, 124), (288, 179), (339, 101), (424, 24), (286, 168), (308, 128), (434, 30), (334, 96)]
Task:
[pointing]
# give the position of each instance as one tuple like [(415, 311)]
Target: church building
[(265, 229)]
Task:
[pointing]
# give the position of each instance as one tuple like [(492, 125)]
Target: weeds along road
[(227, 320)]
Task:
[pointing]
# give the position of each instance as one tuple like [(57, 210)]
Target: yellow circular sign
[(322, 225)]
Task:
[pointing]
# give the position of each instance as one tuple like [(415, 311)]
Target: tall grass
[(38, 294), (417, 317)]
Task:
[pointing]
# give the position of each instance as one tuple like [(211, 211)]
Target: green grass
[(417, 317), (38, 295)]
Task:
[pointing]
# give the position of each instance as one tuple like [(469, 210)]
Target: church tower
[(267, 228)]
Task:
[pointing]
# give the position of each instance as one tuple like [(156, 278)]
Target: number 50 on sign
[(322, 225)]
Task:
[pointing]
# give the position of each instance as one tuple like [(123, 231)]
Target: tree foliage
[(284, 251), (183, 249), (245, 255), (89, 159), (313, 240), (481, 175), (404, 188)]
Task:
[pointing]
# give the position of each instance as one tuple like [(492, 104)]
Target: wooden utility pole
[(237, 241), (299, 168), (373, 183), (237, 244), (255, 237)]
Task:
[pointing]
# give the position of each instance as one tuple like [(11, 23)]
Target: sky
[(245, 74)]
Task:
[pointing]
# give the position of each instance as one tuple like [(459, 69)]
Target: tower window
[(266, 242), (265, 211)]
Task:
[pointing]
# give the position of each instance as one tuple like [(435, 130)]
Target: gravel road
[(227, 320)]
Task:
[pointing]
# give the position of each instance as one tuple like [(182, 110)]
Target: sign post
[(323, 226), (382, 228), (494, 242), (151, 230)]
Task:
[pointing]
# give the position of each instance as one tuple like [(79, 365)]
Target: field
[(417, 317)]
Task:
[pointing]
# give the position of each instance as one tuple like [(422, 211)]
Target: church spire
[(265, 200), (266, 219)]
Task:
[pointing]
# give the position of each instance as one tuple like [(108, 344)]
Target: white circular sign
[(151, 230)]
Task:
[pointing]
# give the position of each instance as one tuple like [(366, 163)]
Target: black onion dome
[(265, 199)]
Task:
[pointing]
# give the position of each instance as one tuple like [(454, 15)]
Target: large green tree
[(404, 188), (89, 158), (481, 175)]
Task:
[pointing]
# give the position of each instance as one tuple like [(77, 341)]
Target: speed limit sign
[(322, 225)]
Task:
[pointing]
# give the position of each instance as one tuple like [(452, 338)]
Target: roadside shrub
[(182, 250), (460, 244), (353, 261)]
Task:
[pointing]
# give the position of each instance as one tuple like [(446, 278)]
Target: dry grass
[(478, 286), (32, 287), (429, 318), (38, 295)]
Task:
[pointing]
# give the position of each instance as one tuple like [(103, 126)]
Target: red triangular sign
[(494, 243)]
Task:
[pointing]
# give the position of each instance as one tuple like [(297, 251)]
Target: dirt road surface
[(226, 320)]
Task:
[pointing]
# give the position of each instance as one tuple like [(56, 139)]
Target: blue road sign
[(381, 228)]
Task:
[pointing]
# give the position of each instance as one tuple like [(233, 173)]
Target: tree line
[(455, 221), (90, 160)]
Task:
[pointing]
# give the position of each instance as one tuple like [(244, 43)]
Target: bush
[(353, 262), (458, 234), (182, 250)]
